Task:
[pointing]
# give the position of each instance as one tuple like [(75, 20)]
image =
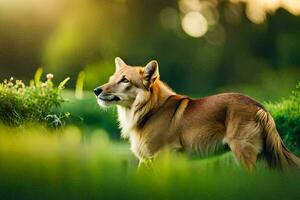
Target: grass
[(37, 164)]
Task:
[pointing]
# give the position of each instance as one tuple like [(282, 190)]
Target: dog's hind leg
[(245, 153), (245, 142)]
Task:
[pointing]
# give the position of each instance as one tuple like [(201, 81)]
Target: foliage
[(287, 116), (32, 103), (70, 166)]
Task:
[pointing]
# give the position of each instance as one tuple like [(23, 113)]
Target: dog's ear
[(150, 73), (119, 63)]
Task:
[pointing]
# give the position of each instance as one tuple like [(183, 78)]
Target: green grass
[(37, 164)]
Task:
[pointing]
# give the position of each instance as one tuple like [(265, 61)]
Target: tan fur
[(153, 117)]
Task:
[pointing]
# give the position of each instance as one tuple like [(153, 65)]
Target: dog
[(153, 117)]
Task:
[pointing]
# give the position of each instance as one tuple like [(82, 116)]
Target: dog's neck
[(145, 102)]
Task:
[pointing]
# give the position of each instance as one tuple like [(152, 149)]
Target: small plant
[(34, 103)]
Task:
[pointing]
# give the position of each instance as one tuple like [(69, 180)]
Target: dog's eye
[(124, 80)]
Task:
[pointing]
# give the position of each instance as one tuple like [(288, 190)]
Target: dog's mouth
[(109, 98)]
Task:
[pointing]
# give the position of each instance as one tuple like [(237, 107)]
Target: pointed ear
[(150, 73), (119, 63)]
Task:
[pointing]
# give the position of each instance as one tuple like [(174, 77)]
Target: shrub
[(20, 103), (287, 116)]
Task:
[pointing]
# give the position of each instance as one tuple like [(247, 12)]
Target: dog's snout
[(98, 91)]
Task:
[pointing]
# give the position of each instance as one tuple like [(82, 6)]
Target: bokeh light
[(194, 24)]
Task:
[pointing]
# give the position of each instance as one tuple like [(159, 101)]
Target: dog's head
[(127, 84)]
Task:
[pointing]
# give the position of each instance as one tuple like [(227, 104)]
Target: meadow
[(56, 146)]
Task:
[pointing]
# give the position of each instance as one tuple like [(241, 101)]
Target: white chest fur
[(126, 121)]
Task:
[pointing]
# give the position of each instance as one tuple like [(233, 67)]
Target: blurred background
[(202, 46)]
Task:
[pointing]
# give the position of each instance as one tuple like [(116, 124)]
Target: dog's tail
[(276, 154)]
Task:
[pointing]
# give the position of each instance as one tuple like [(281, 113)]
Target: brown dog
[(154, 117)]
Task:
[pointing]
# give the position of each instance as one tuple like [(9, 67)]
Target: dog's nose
[(98, 91)]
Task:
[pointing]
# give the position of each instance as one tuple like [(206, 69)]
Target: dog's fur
[(153, 117)]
